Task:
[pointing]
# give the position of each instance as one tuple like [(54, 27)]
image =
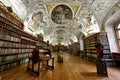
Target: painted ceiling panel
[(88, 16), (101, 8)]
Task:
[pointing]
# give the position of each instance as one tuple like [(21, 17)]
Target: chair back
[(35, 56)]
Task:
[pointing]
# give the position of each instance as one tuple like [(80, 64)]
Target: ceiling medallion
[(61, 14)]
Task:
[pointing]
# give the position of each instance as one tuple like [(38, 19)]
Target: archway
[(109, 27)]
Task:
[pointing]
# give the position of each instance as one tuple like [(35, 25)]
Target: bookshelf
[(15, 44), (90, 50), (74, 48), (27, 44), (10, 37)]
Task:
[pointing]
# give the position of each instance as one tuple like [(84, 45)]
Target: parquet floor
[(72, 68)]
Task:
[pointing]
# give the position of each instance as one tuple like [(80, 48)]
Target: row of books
[(14, 23), (13, 57), (10, 33), (7, 58), (14, 51), (28, 37), (90, 47), (10, 18), (27, 42), (2, 23), (9, 44), (4, 44), (23, 44), (13, 29), (26, 46), (25, 50), (8, 66), (23, 55), (9, 38), (8, 51), (106, 51), (92, 55)]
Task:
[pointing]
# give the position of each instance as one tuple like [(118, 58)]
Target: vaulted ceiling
[(63, 21)]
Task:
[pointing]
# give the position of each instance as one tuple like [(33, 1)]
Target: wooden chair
[(35, 59)]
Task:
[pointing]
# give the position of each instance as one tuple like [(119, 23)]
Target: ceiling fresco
[(63, 21), (61, 14)]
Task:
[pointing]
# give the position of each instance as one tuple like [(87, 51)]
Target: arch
[(111, 19), (111, 12), (109, 27)]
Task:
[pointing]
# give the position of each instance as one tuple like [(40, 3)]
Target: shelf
[(24, 52), (90, 41), (9, 41), (14, 42), (4, 14), (2, 19), (10, 47), (8, 54), (13, 25), (12, 61), (12, 29), (9, 32)]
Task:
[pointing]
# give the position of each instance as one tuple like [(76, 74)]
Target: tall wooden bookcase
[(15, 44), (89, 46), (10, 37)]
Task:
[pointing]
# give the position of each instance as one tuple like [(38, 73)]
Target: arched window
[(117, 31)]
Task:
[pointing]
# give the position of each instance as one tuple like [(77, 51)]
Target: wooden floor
[(73, 68)]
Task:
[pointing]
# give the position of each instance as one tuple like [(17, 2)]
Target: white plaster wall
[(81, 42), (112, 38), (81, 45), (109, 27)]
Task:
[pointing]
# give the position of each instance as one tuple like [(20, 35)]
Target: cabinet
[(89, 46)]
